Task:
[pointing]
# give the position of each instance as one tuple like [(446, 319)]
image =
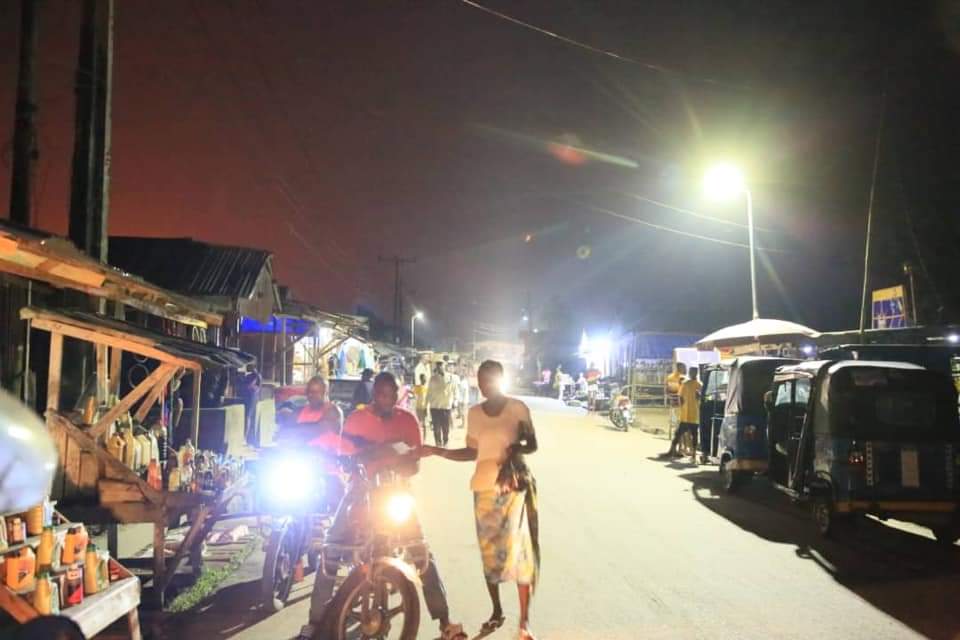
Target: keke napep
[(857, 437)]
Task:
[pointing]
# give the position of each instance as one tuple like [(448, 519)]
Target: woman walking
[(499, 432)]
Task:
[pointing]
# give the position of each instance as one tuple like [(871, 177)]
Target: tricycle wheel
[(826, 519)]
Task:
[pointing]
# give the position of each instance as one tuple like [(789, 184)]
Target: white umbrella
[(759, 328)]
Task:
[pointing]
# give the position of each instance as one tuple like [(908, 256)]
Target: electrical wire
[(603, 52), (660, 227), (690, 212)]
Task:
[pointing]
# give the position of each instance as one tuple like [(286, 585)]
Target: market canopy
[(755, 330)]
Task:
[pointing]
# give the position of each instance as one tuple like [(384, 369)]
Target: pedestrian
[(465, 392), (440, 400), (422, 368), (453, 379), (673, 381), (559, 381), (499, 432), (689, 412), (420, 392), (363, 394), (250, 394)]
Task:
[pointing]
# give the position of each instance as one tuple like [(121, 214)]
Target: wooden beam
[(196, 528), (157, 376), (18, 608), (102, 374), (112, 491), (53, 371), (78, 437), (195, 414), (116, 361), (111, 338), (151, 398), (160, 580)]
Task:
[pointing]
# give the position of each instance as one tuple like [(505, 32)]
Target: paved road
[(638, 548)]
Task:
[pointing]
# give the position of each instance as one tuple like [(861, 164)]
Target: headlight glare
[(400, 507)]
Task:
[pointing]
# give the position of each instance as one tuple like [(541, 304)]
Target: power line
[(660, 227), (603, 52), (690, 212)]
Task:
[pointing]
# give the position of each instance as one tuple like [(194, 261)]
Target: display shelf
[(33, 541)]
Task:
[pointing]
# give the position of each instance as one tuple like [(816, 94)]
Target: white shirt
[(438, 392), (491, 436)]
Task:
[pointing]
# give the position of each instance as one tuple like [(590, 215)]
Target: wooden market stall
[(90, 481)]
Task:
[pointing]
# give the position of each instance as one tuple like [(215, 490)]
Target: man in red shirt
[(318, 422), (373, 431)]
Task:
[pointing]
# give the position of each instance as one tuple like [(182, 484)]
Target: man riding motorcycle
[(370, 433)]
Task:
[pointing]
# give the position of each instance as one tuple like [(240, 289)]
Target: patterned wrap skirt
[(503, 530)]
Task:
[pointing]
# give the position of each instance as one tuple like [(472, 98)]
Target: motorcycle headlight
[(400, 507), (290, 481)]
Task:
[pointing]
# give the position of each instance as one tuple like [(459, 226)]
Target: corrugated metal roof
[(191, 267)]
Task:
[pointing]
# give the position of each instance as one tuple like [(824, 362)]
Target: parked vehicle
[(378, 599), (741, 449), (621, 412), (855, 437), (713, 400), (299, 500)]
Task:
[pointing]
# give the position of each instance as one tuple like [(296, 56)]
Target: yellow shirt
[(690, 401), (674, 380), (420, 391)]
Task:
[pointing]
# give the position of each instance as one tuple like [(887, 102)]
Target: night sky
[(330, 133)]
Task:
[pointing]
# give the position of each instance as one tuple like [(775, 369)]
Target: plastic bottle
[(69, 554), (43, 600), (21, 569), (45, 549), (146, 449), (130, 449), (153, 475), (116, 446), (91, 567), (89, 410), (35, 520)]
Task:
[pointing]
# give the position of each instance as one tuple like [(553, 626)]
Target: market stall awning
[(94, 327), (36, 255), (761, 328)]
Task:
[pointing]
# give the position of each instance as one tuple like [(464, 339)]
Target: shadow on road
[(905, 575)]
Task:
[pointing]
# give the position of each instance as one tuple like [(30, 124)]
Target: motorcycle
[(621, 413), (386, 555), (300, 500)]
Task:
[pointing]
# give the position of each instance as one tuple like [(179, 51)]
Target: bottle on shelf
[(45, 549), (21, 569), (69, 552), (17, 531), (45, 599), (116, 446), (91, 566), (130, 448), (35, 520), (73, 586), (154, 479)]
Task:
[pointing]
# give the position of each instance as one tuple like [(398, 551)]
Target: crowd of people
[(683, 390)]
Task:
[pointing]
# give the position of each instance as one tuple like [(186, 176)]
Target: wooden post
[(102, 375), (159, 560), (53, 371), (195, 430), (283, 353), (116, 361)]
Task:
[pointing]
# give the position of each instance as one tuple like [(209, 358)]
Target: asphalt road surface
[(634, 547)]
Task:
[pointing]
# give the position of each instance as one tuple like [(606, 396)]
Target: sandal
[(492, 625)]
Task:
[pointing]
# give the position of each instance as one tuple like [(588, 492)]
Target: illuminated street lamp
[(413, 320), (724, 181)]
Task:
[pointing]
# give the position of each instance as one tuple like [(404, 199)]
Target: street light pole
[(753, 252), (413, 323)]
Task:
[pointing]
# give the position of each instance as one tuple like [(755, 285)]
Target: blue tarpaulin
[(294, 327)]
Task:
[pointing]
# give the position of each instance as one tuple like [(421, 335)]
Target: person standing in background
[(420, 392), (440, 400)]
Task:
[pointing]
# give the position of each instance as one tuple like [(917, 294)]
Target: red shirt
[(401, 426)]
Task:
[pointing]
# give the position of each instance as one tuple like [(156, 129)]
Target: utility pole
[(873, 189), (397, 291), (89, 198), (25, 151)]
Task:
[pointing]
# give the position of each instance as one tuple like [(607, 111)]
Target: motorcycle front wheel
[(283, 553), (384, 607)]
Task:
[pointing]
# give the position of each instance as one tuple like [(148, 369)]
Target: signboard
[(890, 308)]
